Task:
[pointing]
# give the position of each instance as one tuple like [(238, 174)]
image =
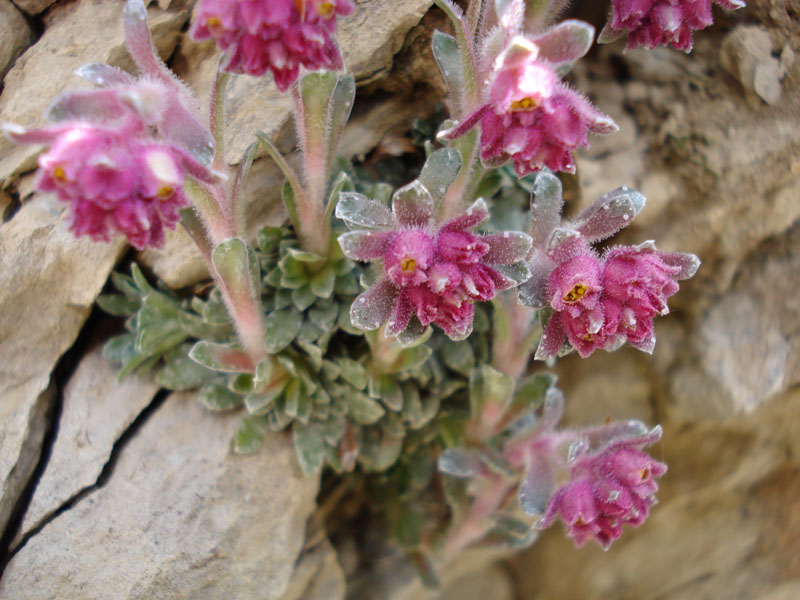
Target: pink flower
[(275, 35), (608, 487), (652, 23), (115, 181), (432, 274), (118, 155), (533, 118)]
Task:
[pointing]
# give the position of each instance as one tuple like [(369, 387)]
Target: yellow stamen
[(589, 337), (326, 9), (526, 103), (59, 174), (213, 22), (408, 265), (644, 474), (576, 293), (164, 192)]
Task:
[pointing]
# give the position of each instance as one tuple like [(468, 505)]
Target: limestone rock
[(15, 33), (317, 575), (49, 282), (96, 410), (181, 517), (34, 7), (46, 69), (746, 53)]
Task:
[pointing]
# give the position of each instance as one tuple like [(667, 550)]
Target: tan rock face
[(34, 7), (181, 517), (95, 411), (15, 33), (49, 283)]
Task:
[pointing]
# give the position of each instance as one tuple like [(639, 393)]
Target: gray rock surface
[(181, 517), (15, 33), (95, 411), (48, 282)]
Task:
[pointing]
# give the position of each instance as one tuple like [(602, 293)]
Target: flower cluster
[(433, 273), (533, 118), (604, 303), (652, 23), (608, 488), (119, 154), (115, 180), (597, 302), (274, 35)]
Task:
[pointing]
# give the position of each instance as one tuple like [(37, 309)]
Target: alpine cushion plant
[(278, 36), (652, 23), (431, 273), (290, 334)]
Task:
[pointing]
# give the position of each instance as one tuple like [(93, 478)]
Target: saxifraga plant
[(391, 330)]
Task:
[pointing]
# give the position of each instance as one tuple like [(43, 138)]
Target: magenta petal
[(400, 316), (472, 217), (371, 309), (412, 205), (552, 338), (507, 247), (366, 246)]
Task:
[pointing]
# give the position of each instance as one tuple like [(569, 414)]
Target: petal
[(552, 338), (365, 246), (610, 213), (687, 263), (371, 309), (507, 247), (412, 205), (566, 42), (400, 316), (546, 203), (472, 217), (359, 211)]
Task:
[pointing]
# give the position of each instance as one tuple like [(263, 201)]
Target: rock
[(34, 7), (24, 423), (746, 52), (46, 69), (15, 33), (96, 410), (317, 575), (181, 517), (50, 281)]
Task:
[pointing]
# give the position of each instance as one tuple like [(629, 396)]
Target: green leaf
[(258, 403), (241, 383), (232, 262), (251, 433), (412, 405), (341, 104), (530, 392), (182, 374), (220, 357), (118, 305), (448, 57), (363, 409), (411, 358), (415, 334), (199, 328), (323, 282), (389, 392), (217, 397), (120, 348), (309, 444), (324, 317), (487, 386), (282, 326), (459, 356), (126, 285), (440, 171), (303, 297), (353, 372)]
